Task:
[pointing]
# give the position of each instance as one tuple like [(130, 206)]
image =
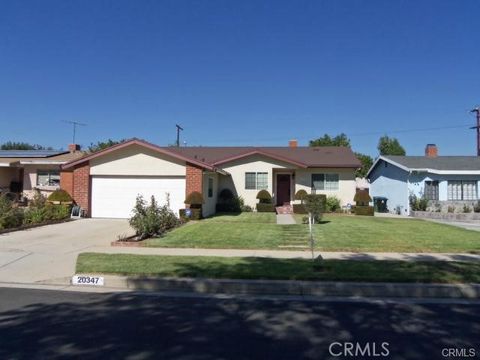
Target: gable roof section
[(304, 157), (142, 143), (436, 165)]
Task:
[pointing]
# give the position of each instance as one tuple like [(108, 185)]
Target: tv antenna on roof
[(179, 128), (75, 124)]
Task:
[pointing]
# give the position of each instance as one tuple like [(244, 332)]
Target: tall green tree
[(390, 146), (367, 163), (100, 145), (327, 140), (12, 145), (343, 140)]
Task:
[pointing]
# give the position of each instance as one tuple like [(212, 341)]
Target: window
[(256, 180), (324, 182), (48, 178), (462, 190), (210, 187), (431, 190)]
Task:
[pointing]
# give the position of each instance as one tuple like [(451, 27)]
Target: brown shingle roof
[(328, 156), (61, 158)]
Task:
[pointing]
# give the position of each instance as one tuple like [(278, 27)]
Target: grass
[(278, 269), (335, 233)]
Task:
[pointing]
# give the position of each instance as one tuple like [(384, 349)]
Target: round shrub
[(226, 195), (362, 198), (61, 196), (264, 197), (301, 195), (332, 203), (194, 199)]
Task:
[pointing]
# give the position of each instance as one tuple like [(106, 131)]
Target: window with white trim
[(48, 178), (462, 190), (329, 182), (256, 180)]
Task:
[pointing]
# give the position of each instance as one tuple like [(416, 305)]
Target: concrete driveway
[(47, 253)]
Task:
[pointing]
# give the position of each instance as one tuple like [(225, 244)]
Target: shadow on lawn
[(121, 326)]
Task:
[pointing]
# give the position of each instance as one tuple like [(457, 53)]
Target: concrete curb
[(295, 288)]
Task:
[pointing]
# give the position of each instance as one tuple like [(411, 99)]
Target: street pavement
[(41, 324)]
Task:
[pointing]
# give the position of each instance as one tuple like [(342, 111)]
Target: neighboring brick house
[(106, 183)]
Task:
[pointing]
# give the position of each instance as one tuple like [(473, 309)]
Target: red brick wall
[(66, 181), (194, 179), (81, 186)]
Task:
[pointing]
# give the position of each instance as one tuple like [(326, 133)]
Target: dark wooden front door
[(283, 189)]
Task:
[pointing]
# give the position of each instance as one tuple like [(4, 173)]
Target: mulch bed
[(31, 226)]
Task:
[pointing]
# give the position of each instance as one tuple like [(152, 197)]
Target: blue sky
[(241, 72)]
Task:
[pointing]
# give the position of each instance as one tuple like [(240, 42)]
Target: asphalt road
[(40, 324)]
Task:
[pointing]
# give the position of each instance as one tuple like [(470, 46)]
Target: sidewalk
[(286, 254)]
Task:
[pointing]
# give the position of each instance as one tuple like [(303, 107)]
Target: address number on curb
[(87, 280)]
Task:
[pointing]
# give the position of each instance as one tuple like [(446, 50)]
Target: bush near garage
[(195, 201), (40, 211), (150, 219), (332, 204), (230, 203), (265, 202), (60, 196)]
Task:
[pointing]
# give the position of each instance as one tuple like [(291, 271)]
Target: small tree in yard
[(315, 206)]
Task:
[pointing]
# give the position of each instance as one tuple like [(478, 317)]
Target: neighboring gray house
[(446, 180)]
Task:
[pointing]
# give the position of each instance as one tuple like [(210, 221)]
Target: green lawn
[(278, 269), (335, 233)]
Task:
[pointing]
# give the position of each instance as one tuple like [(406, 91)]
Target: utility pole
[(477, 111), (179, 128), (74, 124)]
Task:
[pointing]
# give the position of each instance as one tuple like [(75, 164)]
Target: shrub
[(225, 195), (264, 197), (476, 207), (316, 219), (301, 195), (235, 204), (195, 200), (262, 207), (299, 209), (149, 219), (10, 216), (364, 210), (332, 204), (61, 196), (451, 209), (466, 209), (417, 204), (362, 198)]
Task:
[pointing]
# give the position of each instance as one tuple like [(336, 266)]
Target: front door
[(283, 189)]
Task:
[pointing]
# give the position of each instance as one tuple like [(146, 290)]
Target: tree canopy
[(367, 163), (12, 145), (327, 140), (100, 145), (390, 146)]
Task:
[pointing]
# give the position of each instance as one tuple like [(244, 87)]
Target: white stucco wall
[(208, 208), (346, 187), (254, 163), (139, 161)]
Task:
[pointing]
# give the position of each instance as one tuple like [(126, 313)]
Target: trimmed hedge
[(194, 199), (301, 195), (61, 196), (264, 197), (265, 207), (364, 210), (299, 209)]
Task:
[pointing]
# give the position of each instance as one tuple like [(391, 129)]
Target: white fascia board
[(448, 172), (5, 165)]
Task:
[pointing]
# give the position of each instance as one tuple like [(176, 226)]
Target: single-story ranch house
[(444, 180), (106, 183), (23, 171)]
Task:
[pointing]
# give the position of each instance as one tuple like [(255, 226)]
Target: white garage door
[(114, 196)]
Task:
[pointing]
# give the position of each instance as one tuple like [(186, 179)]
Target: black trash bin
[(380, 204)]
